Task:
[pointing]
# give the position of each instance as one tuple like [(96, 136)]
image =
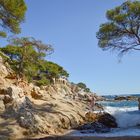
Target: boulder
[(107, 119), (93, 127), (97, 122), (103, 118)]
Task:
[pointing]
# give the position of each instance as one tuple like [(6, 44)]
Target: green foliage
[(27, 57), (54, 70), (122, 31), (20, 57), (12, 13), (87, 90), (83, 86), (50, 71), (42, 81)]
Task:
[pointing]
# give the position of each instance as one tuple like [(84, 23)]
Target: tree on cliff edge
[(122, 31), (12, 13), (26, 54)]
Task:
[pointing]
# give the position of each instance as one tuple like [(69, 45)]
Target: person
[(139, 103)]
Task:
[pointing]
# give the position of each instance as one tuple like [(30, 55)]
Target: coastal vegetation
[(36, 98), (83, 86), (12, 14), (121, 32), (26, 55), (27, 58)]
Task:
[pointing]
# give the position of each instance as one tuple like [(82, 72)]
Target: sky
[(70, 26)]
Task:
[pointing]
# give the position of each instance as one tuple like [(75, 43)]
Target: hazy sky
[(71, 26)]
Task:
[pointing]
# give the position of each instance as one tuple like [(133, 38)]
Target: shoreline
[(88, 138)]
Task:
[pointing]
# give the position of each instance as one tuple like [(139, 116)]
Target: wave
[(125, 116), (128, 119)]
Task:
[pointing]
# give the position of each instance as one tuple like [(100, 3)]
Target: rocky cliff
[(27, 110)]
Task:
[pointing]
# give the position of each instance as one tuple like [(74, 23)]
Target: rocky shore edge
[(89, 138)]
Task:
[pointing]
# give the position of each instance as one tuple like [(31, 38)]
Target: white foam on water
[(125, 117), (128, 119)]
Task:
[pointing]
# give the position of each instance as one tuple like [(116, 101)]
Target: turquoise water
[(120, 103)]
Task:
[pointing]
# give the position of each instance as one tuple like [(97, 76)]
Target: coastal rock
[(128, 98), (132, 98), (49, 110), (97, 122), (108, 120), (119, 98), (98, 107), (139, 103), (93, 127), (103, 118), (90, 116)]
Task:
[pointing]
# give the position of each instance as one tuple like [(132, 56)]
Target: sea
[(126, 114)]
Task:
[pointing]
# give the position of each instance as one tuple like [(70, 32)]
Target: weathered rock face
[(13, 94), (41, 112), (2, 106), (3, 69), (49, 113), (36, 93), (46, 110)]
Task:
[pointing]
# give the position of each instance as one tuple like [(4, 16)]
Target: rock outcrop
[(93, 127), (139, 103), (128, 98), (97, 122), (45, 110)]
